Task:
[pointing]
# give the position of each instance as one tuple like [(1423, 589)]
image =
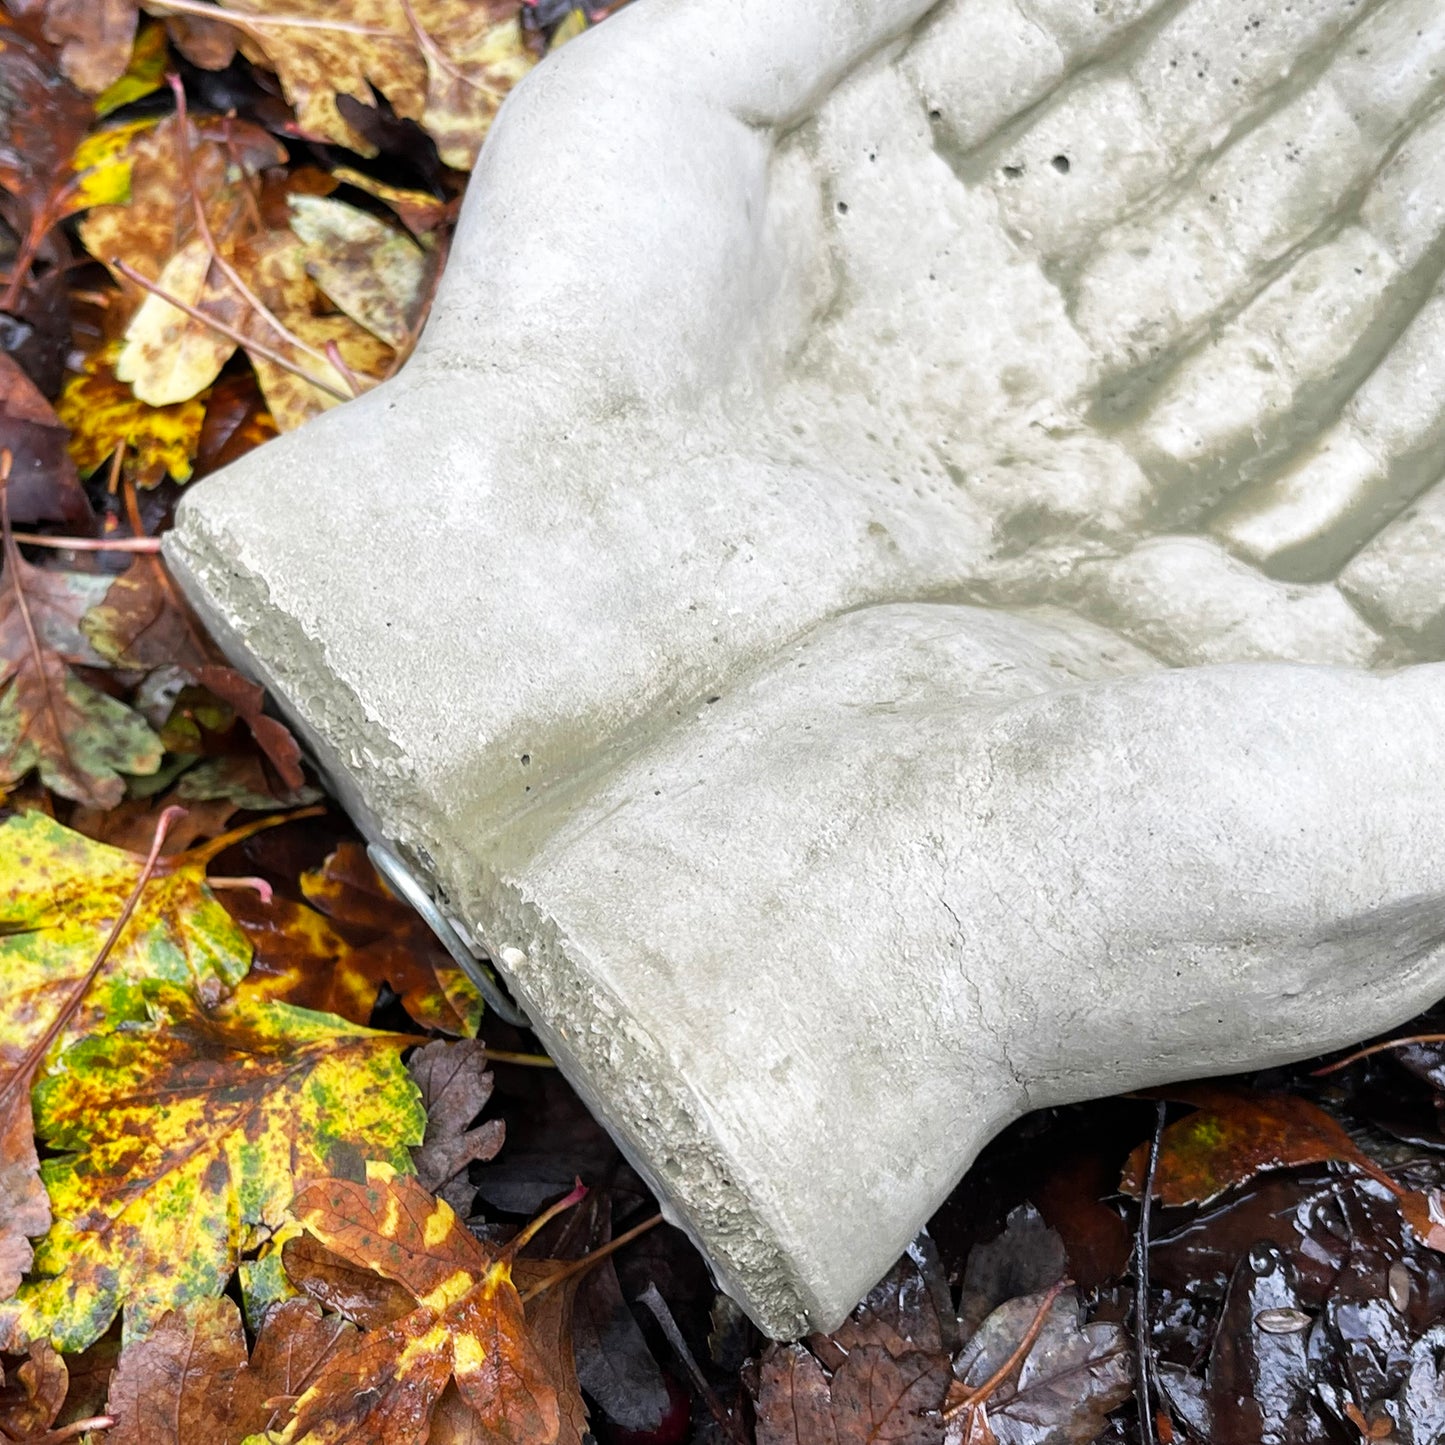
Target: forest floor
[(268, 1170)]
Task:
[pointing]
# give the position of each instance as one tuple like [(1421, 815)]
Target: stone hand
[(825, 605)]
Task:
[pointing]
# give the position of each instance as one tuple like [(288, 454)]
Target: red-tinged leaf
[(1425, 1214), (43, 485), (392, 943), (300, 959), (236, 422), (468, 1324), (1232, 1137), (296, 1339), (249, 699), (353, 1291), (189, 1383)]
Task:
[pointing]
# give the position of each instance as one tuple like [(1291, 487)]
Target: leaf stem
[(594, 1257), (90, 544), (980, 1395), (1381, 1048), (521, 1241), (260, 22)]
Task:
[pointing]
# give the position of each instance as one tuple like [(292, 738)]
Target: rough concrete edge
[(266, 643), (628, 1083)]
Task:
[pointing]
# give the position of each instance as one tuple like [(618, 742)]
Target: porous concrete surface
[(1025, 419)]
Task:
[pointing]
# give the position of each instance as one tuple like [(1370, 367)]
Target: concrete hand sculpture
[(903, 582)]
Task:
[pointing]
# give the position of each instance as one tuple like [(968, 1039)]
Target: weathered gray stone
[(883, 599)]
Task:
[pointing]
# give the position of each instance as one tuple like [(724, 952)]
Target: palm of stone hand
[(836, 455)]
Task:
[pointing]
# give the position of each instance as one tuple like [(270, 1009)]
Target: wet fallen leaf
[(873, 1395), (392, 943), (236, 422), (94, 36), (171, 1138), (189, 1382), (468, 1324), (1068, 1381), (103, 413), (132, 824), (174, 1387), (43, 484), (1234, 1136)]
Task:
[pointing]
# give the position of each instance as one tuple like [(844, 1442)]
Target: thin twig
[(240, 338), (262, 22), (41, 1047), (1144, 1376), (90, 544), (1385, 1047), (203, 229), (527, 1061), (592, 1258), (521, 1241)]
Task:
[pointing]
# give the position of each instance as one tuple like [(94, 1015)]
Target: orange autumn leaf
[(468, 1324)]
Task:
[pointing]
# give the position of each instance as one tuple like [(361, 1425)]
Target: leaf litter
[(243, 1082)]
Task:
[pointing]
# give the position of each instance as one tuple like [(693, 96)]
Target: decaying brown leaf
[(189, 1381), (33, 1394), (80, 739), (43, 485), (392, 943), (468, 1324), (455, 1085)]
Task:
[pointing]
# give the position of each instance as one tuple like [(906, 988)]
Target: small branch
[(90, 544), (1142, 1385), (239, 337), (594, 1257), (262, 22), (1385, 1047)]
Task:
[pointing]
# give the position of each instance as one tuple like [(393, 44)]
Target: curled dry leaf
[(172, 1137)]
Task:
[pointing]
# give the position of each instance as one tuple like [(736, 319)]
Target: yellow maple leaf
[(61, 893), (103, 413), (178, 1142)]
